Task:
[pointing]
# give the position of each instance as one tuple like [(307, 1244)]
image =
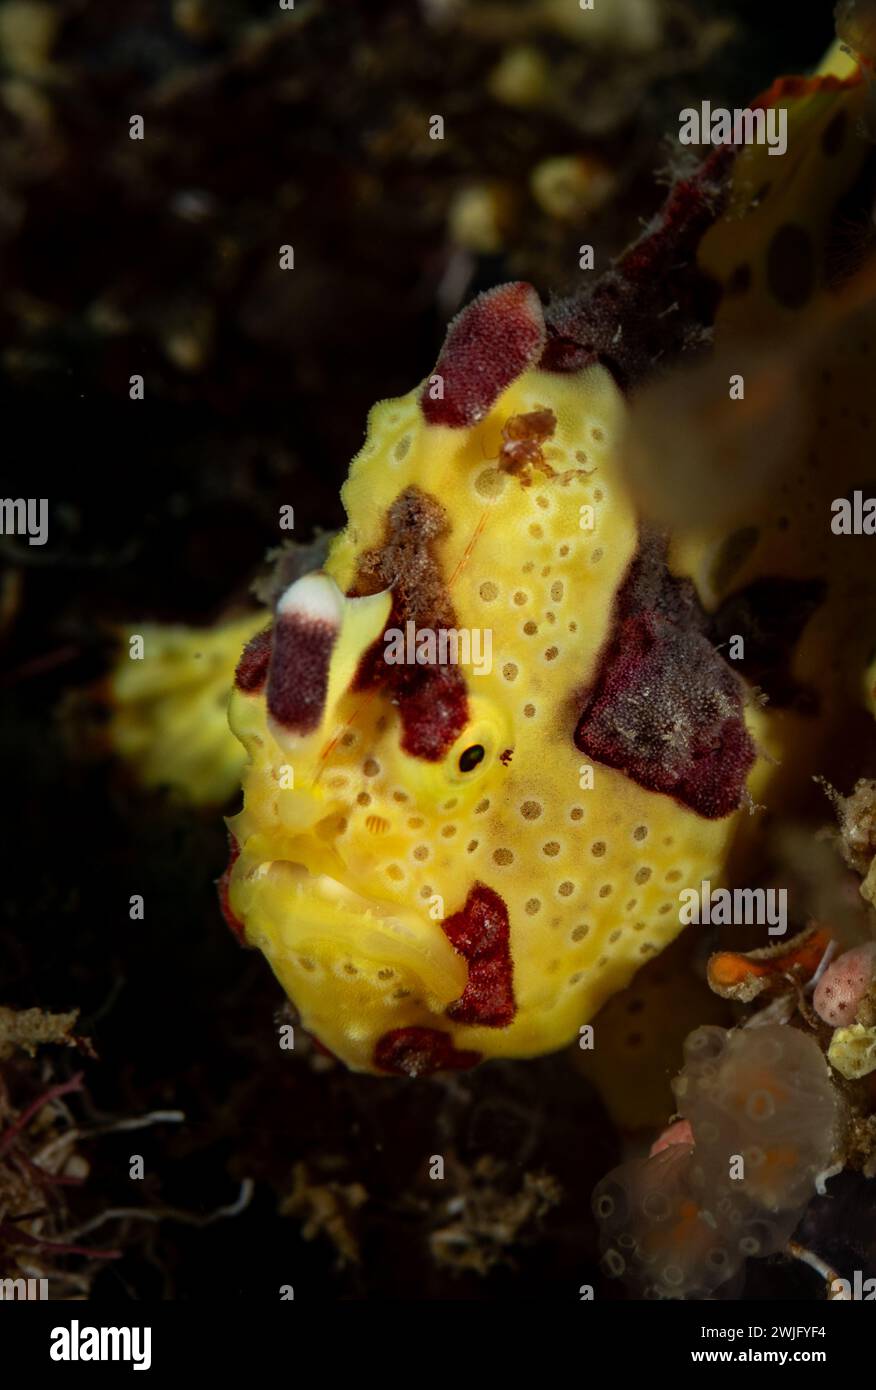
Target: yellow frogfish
[(494, 738)]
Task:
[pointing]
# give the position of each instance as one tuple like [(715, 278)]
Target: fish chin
[(312, 926)]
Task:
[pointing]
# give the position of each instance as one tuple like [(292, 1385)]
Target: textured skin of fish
[(443, 865)]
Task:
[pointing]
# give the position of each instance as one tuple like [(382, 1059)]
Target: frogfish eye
[(470, 757)]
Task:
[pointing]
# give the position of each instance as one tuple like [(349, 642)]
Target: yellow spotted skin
[(343, 881)]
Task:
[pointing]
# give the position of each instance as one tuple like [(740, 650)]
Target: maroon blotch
[(299, 671), (666, 709), (432, 701), (252, 668), (488, 345), (481, 934), (655, 302), (420, 1051)]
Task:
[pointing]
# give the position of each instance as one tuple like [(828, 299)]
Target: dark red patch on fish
[(654, 303), (299, 671), (488, 345), (432, 701), (433, 706), (252, 668), (420, 1051), (223, 885), (481, 934), (666, 709)]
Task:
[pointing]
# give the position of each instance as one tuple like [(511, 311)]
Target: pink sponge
[(842, 987)]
